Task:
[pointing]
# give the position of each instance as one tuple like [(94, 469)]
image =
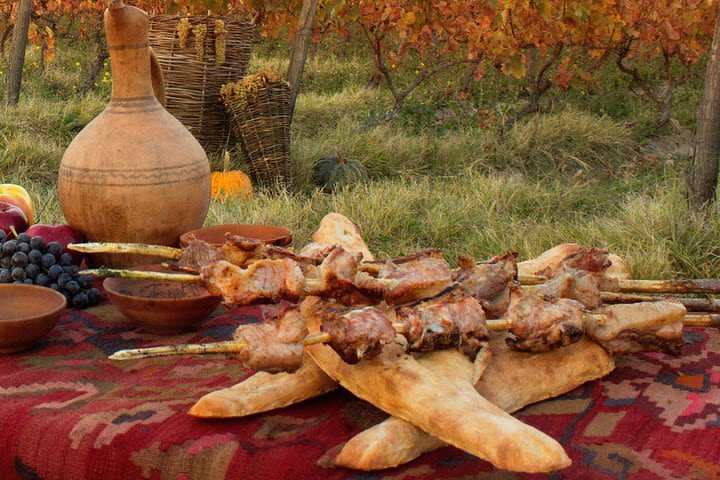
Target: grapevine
[(247, 89), (220, 45), (183, 30), (200, 32)]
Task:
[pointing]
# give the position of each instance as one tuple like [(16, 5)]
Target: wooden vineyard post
[(17, 52), (299, 49)]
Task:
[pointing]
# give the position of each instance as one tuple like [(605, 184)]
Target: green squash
[(332, 173)]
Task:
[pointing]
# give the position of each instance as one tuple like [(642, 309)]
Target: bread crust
[(447, 407), (263, 392), (504, 383), (336, 228)]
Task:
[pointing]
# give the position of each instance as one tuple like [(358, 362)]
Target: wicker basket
[(262, 125), (192, 84)]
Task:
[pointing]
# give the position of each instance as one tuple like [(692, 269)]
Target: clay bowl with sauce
[(215, 235), (27, 314), (161, 308)]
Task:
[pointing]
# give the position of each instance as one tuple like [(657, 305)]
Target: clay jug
[(134, 173)]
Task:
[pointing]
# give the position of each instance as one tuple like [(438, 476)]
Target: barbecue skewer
[(692, 304), (234, 346), (128, 248), (173, 253), (228, 346), (702, 285)]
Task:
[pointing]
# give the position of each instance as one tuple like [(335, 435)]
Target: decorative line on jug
[(124, 171), (136, 46), (132, 110), (148, 184), (143, 98), (130, 180)]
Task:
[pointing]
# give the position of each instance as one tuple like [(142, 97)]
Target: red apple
[(18, 196), (62, 234), (12, 216)]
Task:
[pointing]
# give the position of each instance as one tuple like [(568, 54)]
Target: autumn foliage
[(553, 45)]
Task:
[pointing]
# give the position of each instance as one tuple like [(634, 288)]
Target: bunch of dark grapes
[(30, 260)]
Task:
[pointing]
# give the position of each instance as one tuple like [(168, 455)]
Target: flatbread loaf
[(264, 391), (447, 407), (504, 383), (336, 228)]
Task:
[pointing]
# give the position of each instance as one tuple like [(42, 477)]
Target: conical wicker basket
[(192, 81), (262, 124)]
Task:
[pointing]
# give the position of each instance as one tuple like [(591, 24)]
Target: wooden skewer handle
[(698, 285), (693, 304), (229, 346), (142, 275), (707, 320), (133, 248)]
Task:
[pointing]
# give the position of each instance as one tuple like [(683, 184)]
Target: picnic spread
[(323, 361), (70, 413)]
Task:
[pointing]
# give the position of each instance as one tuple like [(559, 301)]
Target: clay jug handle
[(158, 82)]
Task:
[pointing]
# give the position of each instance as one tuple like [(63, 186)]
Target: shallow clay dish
[(215, 235), (162, 308), (27, 313)]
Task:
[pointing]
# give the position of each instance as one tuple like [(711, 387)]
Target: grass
[(439, 177)]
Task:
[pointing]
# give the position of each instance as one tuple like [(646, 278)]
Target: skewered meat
[(359, 333), (580, 285), (540, 324), (335, 277), (374, 266), (273, 346), (447, 321), (316, 251), (589, 259), (262, 280), (578, 277), (489, 282), (424, 275), (237, 250), (197, 255), (573, 254), (639, 327)]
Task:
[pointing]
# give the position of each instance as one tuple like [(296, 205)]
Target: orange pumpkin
[(230, 183)]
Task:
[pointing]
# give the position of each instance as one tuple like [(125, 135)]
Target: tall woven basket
[(262, 124), (193, 75)]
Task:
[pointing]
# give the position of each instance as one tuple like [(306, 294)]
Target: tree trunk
[(95, 70), (17, 52), (702, 180), (300, 48)]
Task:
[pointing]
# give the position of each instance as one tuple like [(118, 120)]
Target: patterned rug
[(68, 413)]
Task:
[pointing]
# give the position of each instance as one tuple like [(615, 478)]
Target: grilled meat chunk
[(422, 276), (589, 259), (316, 252), (448, 321), (539, 324), (569, 282), (273, 346), (335, 277), (262, 280), (639, 327), (197, 255), (359, 333), (240, 251), (489, 282)]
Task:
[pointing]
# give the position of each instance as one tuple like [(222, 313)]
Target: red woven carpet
[(68, 413)]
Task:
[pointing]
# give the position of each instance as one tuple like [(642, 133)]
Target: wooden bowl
[(27, 313), (215, 235), (162, 308)]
